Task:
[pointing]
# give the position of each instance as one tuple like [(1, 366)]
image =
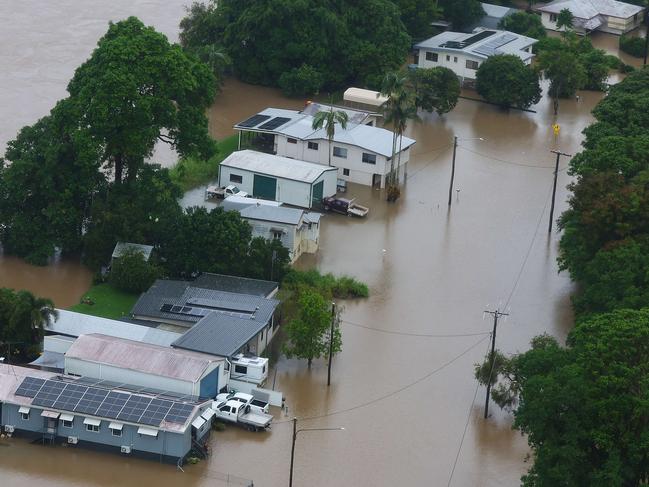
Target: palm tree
[(39, 312), (397, 111), (328, 120)]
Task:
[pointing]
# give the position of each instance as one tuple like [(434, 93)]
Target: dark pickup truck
[(345, 206)]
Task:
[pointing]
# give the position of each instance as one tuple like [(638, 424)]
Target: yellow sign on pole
[(556, 128)]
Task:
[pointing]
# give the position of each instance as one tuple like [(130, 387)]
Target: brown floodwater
[(402, 386)]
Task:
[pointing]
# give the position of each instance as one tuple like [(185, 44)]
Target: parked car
[(219, 193), (344, 206), (235, 412), (247, 399)]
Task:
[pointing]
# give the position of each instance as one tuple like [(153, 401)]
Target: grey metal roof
[(587, 9), (219, 334), (498, 42), (141, 357), (50, 360), (234, 284), (122, 247), (278, 214), (278, 166), (150, 303), (77, 324)]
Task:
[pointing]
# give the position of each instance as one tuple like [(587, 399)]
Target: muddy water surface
[(402, 387)]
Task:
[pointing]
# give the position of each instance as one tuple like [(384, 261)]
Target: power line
[(504, 161), (414, 173), (393, 393), (419, 335)]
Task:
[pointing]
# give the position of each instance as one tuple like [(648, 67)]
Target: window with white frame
[(291, 141), (24, 416), (277, 234), (432, 56), (236, 178), (93, 428), (454, 59), (312, 145), (66, 423), (369, 158), (345, 172), (340, 152), (553, 17), (116, 432), (472, 64)]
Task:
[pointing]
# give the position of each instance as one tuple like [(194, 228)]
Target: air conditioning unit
[(73, 440), (126, 449), (9, 428)]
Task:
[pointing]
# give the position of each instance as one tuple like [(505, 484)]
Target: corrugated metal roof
[(143, 357), (12, 376), (279, 214), (235, 284), (122, 247), (77, 324), (587, 9), (219, 334), (277, 166)]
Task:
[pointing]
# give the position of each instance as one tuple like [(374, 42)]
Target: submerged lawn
[(108, 302)]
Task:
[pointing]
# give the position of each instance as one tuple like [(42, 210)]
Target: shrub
[(305, 80), (339, 287), (632, 45), (132, 273)]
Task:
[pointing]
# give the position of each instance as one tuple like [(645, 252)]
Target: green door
[(316, 199), (264, 187)]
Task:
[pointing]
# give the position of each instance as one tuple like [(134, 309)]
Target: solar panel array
[(184, 310), (121, 405), (253, 121), (274, 123), (469, 40), (489, 48)]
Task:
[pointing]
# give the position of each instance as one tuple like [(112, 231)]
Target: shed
[(122, 247), (277, 178)]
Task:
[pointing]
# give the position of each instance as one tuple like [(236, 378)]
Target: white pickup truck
[(213, 192), (256, 405), (236, 412)]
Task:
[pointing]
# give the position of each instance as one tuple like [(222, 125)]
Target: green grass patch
[(108, 302), (191, 172), (341, 287)]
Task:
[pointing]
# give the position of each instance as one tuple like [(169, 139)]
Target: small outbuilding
[(122, 247), (277, 178)]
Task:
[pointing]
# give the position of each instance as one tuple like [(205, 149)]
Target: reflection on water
[(404, 394)]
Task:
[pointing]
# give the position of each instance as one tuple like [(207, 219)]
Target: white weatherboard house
[(298, 230), (463, 53), (276, 178), (361, 153), (589, 15)]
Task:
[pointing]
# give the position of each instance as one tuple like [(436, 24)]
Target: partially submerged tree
[(506, 81), (435, 89), (565, 72), (309, 333), (524, 23), (328, 119)]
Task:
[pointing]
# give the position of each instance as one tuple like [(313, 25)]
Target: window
[(345, 172), (431, 56), (472, 64), (448, 58), (291, 141), (312, 145), (454, 59), (277, 234), (369, 158), (93, 427), (116, 432), (340, 152), (241, 369), (24, 416), (553, 17), (236, 178), (262, 335), (66, 423)]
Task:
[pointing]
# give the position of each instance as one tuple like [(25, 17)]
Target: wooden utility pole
[(554, 187), (496, 314), (331, 342), (450, 188)]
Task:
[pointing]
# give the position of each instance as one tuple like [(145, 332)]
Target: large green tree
[(435, 89), (524, 23), (309, 333), (565, 72), (584, 408), (418, 15), (462, 13), (343, 42), (508, 82), (138, 89)]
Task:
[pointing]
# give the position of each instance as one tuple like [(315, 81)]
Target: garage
[(267, 176)]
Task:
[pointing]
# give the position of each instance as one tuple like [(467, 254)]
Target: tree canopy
[(435, 89), (325, 44), (508, 82), (524, 23), (462, 13)]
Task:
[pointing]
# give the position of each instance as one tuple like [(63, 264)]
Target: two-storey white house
[(588, 15), (361, 152), (463, 53)]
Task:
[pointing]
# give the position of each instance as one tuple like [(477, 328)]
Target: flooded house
[(87, 412), (361, 152)]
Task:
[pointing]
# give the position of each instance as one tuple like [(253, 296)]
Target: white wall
[(616, 25), (455, 61)]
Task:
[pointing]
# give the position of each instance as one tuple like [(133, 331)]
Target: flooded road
[(403, 386)]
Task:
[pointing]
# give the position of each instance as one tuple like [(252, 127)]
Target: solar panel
[(179, 413), (113, 404), (70, 397), (166, 308), (91, 401), (134, 408), (253, 121), (223, 306), (49, 393), (489, 48), (30, 387), (274, 123), (156, 412)]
